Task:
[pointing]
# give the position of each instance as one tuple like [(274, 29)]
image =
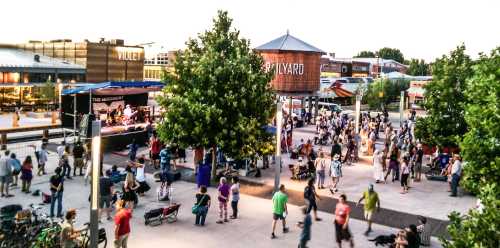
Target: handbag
[(196, 208)]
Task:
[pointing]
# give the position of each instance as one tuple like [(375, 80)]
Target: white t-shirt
[(60, 151), (140, 174)]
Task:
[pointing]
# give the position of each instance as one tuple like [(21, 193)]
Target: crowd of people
[(399, 158), (396, 154)]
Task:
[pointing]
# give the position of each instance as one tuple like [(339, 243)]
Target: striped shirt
[(424, 231)]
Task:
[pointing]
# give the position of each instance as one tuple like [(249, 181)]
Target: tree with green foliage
[(384, 91), (480, 228), (219, 95), (391, 53), (480, 146), (445, 100), (48, 92), (418, 68), (365, 54)]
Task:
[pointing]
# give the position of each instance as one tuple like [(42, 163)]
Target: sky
[(424, 29)]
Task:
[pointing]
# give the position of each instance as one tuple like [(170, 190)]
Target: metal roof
[(288, 42), (112, 84), (19, 60)]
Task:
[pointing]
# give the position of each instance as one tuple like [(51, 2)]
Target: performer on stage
[(128, 111)]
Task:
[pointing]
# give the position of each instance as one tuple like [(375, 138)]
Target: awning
[(96, 88), (416, 92), (337, 89)]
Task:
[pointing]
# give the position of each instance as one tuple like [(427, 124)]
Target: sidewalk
[(251, 230), (428, 198)]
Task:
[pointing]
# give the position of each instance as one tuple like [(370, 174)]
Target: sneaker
[(226, 220), (318, 219), (273, 236), (331, 191), (232, 217), (219, 222), (285, 230)]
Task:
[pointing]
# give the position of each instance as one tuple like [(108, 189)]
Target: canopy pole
[(90, 102), (74, 118)]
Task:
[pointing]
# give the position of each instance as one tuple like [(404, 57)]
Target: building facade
[(331, 67), (157, 65), (30, 80), (106, 60)]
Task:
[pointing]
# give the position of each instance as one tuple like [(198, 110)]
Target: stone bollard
[(15, 120), (54, 117)]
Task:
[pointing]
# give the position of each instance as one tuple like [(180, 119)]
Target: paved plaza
[(428, 198), (251, 230)]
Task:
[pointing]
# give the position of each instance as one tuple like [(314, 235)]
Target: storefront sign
[(129, 53), (107, 99), (285, 68)]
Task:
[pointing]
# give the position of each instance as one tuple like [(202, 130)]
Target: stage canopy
[(115, 88)]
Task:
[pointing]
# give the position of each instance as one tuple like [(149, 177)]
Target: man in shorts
[(371, 199), (155, 148), (280, 210), (418, 162), (106, 193), (78, 152)]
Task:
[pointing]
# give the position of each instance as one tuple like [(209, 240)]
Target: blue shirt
[(306, 230), (164, 156), (16, 164)]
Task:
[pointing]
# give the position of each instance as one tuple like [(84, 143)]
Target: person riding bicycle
[(69, 236)]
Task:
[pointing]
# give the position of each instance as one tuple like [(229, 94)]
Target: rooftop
[(368, 60), (15, 59), (288, 42)]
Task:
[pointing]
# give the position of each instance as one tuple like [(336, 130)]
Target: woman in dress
[(129, 188), (378, 170), (335, 172)]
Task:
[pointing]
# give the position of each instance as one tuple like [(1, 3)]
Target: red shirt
[(341, 212), (122, 218), (155, 146)]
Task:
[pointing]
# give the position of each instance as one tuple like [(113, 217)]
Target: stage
[(116, 138)]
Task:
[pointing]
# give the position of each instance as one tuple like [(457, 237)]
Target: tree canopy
[(219, 95), (480, 148), (445, 100), (384, 53), (365, 54), (391, 53), (418, 68)]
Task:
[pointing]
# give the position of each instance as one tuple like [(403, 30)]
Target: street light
[(358, 109), (401, 107), (96, 156), (59, 89), (277, 165)]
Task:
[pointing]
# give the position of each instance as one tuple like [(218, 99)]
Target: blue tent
[(125, 84)]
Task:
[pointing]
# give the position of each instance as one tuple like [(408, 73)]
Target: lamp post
[(358, 109), (401, 107), (277, 165), (96, 156)]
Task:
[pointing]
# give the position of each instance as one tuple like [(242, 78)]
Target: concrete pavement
[(251, 230)]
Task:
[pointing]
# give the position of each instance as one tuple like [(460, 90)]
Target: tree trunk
[(214, 165)]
